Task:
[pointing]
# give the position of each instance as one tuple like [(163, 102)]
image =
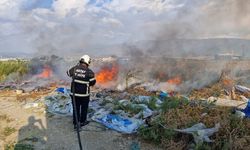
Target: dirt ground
[(46, 131)]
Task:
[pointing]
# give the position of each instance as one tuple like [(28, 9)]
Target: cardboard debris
[(227, 102)]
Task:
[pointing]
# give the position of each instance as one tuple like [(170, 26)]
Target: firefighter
[(82, 79)]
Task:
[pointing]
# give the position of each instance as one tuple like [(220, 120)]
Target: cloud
[(70, 26), (9, 9), (69, 7)]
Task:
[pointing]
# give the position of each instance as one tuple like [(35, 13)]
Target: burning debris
[(107, 74), (167, 99), (46, 72)]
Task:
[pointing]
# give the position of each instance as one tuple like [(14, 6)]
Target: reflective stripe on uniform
[(92, 79), (82, 82), (87, 90), (80, 95)]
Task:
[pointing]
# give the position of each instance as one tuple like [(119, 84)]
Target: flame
[(175, 81), (227, 82), (46, 73), (107, 74)]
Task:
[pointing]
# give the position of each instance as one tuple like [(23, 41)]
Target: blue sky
[(99, 3), (33, 4)]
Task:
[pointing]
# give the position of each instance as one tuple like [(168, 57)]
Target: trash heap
[(210, 119), (59, 102), (124, 113), (173, 121), (196, 125)]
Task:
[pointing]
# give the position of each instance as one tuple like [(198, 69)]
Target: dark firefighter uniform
[(82, 79)]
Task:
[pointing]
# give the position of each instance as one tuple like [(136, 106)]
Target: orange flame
[(107, 74), (47, 72), (227, 81), (174, 81)]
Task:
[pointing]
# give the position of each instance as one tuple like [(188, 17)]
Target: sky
[(94, 26)]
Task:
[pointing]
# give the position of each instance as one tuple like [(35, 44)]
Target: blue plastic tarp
[(118, 123), (163, 95), (247, 110), (60, 89), (63, 90)]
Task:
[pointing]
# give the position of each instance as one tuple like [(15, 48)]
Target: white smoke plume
[(100, 27), (166, 28)]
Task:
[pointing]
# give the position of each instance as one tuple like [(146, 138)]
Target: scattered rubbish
[(62, 90), (19, 91), (30, 105), (163, 95), (145, 113), (124, 102), (8, 86), (140, 99), (243, 98), (246, 111), (100, 113), (242, 89), (239, 114), (59, 103), (200, 132), (127, 115), (121, 124), (226, 102), (203, 115), (135, 146)]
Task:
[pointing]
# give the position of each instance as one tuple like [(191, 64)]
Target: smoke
[(150, 32), (102, 27), (201, 29)]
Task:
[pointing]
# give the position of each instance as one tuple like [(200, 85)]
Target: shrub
[(9, 67)]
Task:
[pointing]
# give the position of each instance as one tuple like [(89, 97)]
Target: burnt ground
[(46, 131)]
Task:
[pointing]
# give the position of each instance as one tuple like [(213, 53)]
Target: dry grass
[(234, 132), (215, 90), (8, 131), (5, 118)]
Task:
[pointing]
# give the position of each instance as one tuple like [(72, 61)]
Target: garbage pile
[(163, 117), (125, 114), (196, 125)]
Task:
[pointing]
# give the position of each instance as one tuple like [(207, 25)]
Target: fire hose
[(75, 112)]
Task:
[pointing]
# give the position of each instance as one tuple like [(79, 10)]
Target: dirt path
[(45, 131)]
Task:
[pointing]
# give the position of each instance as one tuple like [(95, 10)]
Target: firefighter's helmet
[(85, 59)]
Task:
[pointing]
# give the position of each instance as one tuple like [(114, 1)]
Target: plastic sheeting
[(200, 132), (246, 111), (118, 123), (242, 89), (59, 102)]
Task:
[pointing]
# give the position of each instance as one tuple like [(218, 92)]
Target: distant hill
[(196, 47), (15, 55), (168, 47)]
